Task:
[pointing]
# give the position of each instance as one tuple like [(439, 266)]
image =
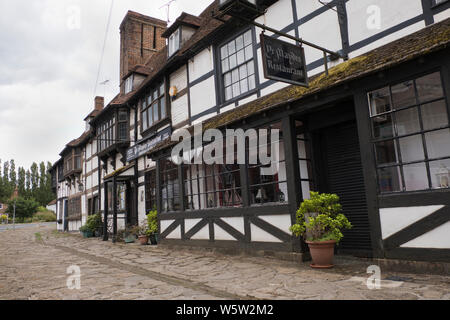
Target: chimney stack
[(99, 103), (140, 38)]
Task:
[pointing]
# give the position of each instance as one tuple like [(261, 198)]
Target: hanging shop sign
[(141, 148), (283, 61)]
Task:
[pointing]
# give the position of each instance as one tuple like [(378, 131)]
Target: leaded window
[(170, 189), (154, 107), (411, 135), (238, 66)]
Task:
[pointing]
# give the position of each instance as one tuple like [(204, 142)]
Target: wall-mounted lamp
[(173, 91), (80, 186)]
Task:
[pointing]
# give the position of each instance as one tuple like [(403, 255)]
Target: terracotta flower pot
[(143, 240), (322, 254)]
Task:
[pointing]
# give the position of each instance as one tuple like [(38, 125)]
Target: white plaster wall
[(442, 16), (203, 96), (180, 110), (201, 64), (438, 238), (282, 222), (259, 235), (179, 78), (394, 220), (141, 203), (391, 13)]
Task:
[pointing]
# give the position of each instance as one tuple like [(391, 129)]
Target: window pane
[(163, 107), (236, 89), (386, 152), (244, 86), (240, 42), (389, 179), (227, 79), (162, 89), (403, 94), (235, 76), (416, 177), (440, 174), (251, 83), (407, 121), (429, 87), (233, 61), (438, 143), (243, 72), (379, 101), (225, 65), (150, 116), (231, 47), (434, 115), (250, 68), (411, 148), (144, 120), (248, 53), (155, 113), (228, 93), (240, 57), (224, 51), (382, 126), (248, 37)]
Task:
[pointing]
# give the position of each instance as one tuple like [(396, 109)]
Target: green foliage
[(93, 223), (320, 219), (152, 222), (3, 217), (44, 216), (25, 208)]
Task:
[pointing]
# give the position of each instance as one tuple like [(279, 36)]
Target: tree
[(28, 183), (34, 178), (25, 208), (21, 182), (12, 174)]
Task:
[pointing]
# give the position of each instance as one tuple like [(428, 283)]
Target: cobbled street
[(34, 263)]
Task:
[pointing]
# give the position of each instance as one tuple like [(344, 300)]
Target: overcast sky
[(49, 56)]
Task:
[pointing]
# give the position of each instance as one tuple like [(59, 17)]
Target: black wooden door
[(341, 173)]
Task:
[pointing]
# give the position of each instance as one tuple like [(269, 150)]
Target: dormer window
[(174, 42), (129, 84)]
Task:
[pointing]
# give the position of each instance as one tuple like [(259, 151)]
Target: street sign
[(142, 147), (283, 61)]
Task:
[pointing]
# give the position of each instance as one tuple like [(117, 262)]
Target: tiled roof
[(183, 19), (430, 39)]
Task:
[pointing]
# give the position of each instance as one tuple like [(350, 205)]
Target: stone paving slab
[(34, 262)]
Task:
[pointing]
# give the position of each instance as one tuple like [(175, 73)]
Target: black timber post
[(370, 175), (158, 191), (181, 198), (246, 199), (295, 195), (105, 212), (114, 196)]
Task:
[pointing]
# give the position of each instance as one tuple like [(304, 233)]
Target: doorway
[(338, 170)]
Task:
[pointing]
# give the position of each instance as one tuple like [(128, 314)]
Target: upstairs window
[(174, 42), (113, 130), (154, 107), (411, 135), (238, 66), (129, 84), (437, 2)]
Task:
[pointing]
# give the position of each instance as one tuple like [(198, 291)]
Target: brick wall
[(139, 40)]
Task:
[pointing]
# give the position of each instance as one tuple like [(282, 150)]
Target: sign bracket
[(333, 55)]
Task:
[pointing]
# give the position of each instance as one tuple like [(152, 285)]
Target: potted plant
[(152, 226), (95, 223), (129, 235), (86, 231), (320, 222), (141, 232)]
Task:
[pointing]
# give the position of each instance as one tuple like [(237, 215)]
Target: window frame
[(396, 137), (108, 130), (146, 105), (169, 52), (220, 73)]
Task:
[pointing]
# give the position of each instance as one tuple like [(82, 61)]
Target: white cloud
[(49, 58)]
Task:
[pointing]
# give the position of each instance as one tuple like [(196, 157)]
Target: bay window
[(154, 107), (411, 135)]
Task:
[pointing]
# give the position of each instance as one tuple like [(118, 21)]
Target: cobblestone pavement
[(34, 262)]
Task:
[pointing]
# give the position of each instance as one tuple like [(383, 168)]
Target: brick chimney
[(99, 103), (140, 38)]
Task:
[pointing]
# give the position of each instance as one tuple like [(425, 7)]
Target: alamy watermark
[(192, 149), (74, 280)]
